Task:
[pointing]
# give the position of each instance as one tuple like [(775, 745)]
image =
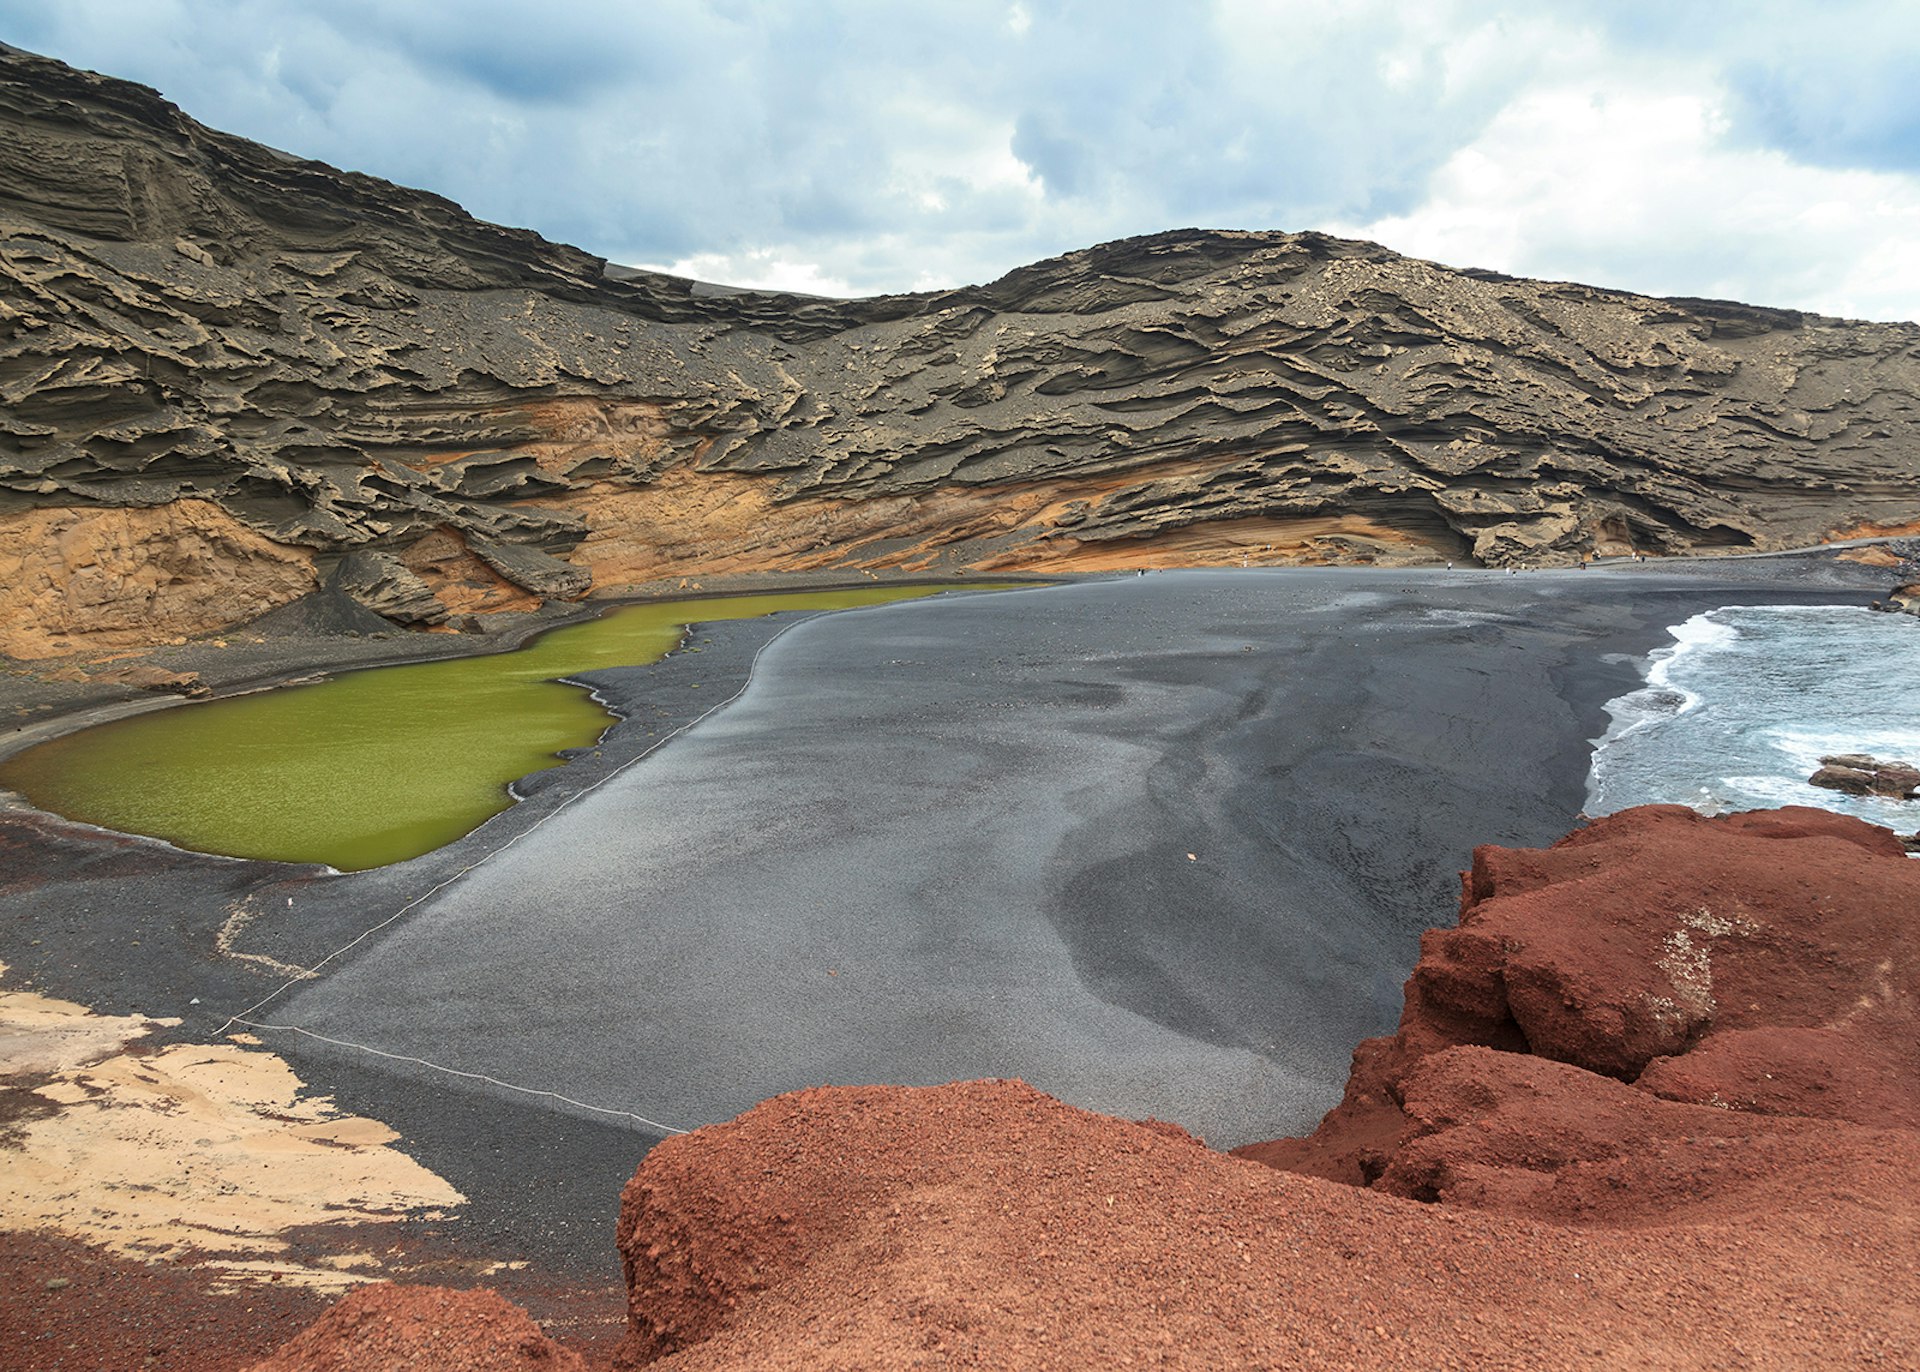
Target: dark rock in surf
[(1860, 774)]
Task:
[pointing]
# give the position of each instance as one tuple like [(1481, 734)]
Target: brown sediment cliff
[(1654, 1103), (229, 376)]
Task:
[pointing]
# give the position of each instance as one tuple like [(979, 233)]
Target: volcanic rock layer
[(1660, 995), (229, 376)]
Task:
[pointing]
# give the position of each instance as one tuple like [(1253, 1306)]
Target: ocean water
[(1738, 710)]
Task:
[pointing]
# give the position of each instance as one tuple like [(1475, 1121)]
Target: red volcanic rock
[(713, 1217), (983, 1224), (1761, 963), (387, 1328), (1540, 1139)]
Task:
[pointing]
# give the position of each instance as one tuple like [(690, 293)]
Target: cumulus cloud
[(1828, 84), (1759, 150), (1642, 187)]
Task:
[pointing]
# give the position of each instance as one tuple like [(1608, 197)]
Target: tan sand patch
[(41, 1035), (193, 1147)]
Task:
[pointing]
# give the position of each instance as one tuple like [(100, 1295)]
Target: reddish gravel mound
[(985, 1225), (389, 1328), (1765, 964)]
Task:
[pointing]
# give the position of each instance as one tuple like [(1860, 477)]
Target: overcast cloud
[(1767, 152)]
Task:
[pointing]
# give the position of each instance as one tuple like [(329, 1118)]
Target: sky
[(1754, 150)]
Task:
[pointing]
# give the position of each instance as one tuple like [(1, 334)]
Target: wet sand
[(946, 839)]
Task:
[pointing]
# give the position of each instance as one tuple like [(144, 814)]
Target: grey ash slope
[(1158, 845), (345, 365)]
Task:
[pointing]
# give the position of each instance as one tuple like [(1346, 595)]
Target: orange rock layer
[(691, 523), (103, 577)]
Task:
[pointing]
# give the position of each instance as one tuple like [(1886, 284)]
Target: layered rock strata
[(229, 376)]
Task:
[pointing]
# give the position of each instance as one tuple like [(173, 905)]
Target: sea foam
[(1738, 710)]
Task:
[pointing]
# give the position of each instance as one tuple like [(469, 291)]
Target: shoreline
[(1739, 709), (279, 657), (241, 661), (554, 1208), (1552, 800)]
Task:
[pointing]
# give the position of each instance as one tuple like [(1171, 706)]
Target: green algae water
[(373, 766)]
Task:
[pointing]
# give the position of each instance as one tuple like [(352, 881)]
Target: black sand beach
[(1159, 845)]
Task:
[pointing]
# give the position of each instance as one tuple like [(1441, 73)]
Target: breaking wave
[(1737, 712)]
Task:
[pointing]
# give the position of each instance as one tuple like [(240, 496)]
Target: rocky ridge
[(229, 377), (1674, 991)]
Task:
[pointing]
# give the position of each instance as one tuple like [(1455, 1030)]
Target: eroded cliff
[(443, 416)]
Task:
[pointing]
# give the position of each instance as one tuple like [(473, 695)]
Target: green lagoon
[(373, 766)]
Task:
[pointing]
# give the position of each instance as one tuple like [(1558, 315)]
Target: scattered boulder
[(1859, 774), (147, 677), (1904, 599), (1900, 780), (1853, 781)]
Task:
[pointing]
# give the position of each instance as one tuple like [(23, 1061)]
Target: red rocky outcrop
[(983, 1224), (1763, 965)]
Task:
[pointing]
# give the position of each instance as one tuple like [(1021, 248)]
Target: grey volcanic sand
[(951, 839)]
